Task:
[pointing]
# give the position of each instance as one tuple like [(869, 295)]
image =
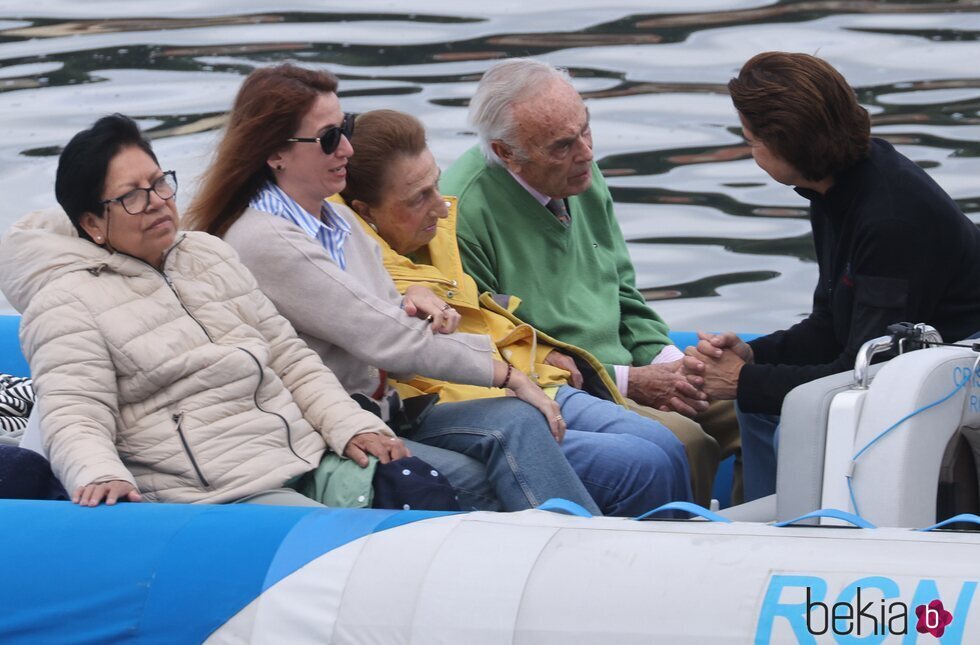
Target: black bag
[(403, 415)]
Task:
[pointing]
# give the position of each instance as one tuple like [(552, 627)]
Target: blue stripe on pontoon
[(155, 572), (307, 539), (11, 359), (401, 518)]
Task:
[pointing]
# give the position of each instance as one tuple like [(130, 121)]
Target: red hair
[(267, 110)]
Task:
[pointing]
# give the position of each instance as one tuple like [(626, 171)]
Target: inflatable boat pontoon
[(847, 551)]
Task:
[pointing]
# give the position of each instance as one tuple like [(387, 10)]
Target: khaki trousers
[(713, 436)]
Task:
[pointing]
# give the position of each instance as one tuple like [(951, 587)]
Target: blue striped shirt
[(330, 230)]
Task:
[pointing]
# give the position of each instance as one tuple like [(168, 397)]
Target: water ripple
[(716, 243)]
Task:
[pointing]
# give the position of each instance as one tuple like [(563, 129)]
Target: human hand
[(528, 391), (664, 386), (717, 375), (567, 363), (111, 491), (420, 302), (713, 345), (373, 443)]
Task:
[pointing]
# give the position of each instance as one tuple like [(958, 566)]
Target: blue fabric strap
[(962, 517), (564, 507), (832, 513), (687, 507)]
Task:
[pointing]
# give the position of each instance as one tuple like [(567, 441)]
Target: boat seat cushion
[(802, 437)]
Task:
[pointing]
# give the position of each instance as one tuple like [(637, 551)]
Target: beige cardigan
[(351, 318)]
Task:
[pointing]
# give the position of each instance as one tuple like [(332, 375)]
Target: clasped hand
[(715, 363), (663, 386)]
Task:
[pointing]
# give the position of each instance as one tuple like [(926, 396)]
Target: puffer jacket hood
[(38, 248)]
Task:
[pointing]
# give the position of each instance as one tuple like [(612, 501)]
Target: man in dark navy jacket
[(891, 246)]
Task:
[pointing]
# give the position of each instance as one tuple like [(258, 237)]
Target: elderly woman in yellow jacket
[(392, 183), (549, 362)]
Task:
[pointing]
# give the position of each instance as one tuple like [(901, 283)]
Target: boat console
[(878, 441)]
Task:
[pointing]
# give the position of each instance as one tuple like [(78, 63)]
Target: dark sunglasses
[(331, 138)]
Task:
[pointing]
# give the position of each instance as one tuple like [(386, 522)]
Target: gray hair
[(512, 81)]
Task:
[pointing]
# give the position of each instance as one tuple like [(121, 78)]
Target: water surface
[(716, 243)]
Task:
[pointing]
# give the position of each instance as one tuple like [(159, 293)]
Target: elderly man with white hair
[(536, 221)]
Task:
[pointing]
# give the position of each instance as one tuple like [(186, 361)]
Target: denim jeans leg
[(511, 438), (625, 475), (758, 453), (587, 413), (467, 475)]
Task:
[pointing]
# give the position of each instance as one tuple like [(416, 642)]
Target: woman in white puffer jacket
[(162, 372)]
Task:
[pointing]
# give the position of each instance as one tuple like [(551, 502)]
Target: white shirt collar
[(536, 194)]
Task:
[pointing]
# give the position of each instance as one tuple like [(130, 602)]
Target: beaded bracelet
[(510, 368)]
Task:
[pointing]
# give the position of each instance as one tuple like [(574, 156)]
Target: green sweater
[(577, 283)]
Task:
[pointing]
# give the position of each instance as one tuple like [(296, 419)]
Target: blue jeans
[(760, 440), (629, 464), (511, 438)]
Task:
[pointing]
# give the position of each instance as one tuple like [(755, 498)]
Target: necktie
[(557, 207)]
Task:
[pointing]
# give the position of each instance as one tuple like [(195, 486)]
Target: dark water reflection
[(715, 242)]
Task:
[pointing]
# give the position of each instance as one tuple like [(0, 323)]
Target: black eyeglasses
[(331, 138), (136, 201)]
